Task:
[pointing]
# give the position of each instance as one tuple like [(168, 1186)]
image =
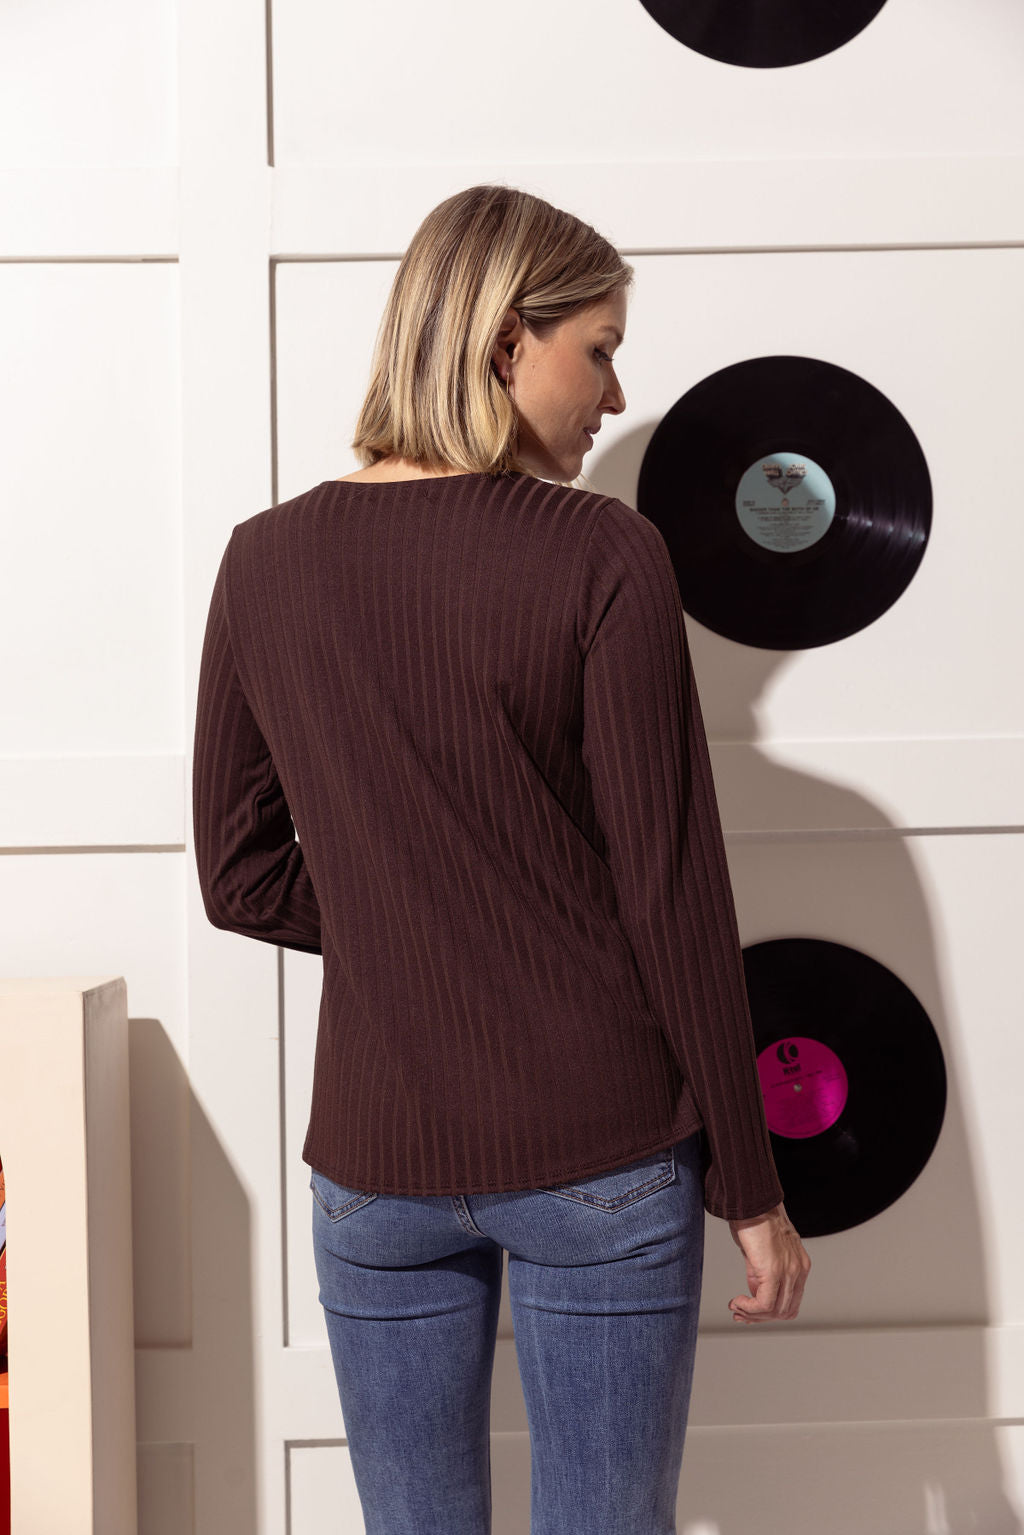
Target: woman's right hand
[(777, 1268)]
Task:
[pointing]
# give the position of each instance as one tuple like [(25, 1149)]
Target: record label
[(785, 502), (804, 1084)]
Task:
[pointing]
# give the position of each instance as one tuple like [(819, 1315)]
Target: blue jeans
[(604, 1280)]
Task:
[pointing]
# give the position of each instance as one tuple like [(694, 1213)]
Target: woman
[(465, 685)]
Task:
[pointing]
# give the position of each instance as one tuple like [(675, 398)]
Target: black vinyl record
[(852, 1076), (794, 498), (763, 34)]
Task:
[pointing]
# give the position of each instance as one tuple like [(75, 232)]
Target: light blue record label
[(785, 502)]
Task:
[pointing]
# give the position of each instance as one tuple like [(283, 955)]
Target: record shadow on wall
[(847, 874)]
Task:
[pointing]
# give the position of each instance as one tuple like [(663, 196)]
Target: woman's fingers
[(777, 1269)]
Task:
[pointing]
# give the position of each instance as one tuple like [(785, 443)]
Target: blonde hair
[(433, 396)]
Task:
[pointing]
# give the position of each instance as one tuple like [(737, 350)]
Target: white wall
[(200, 213)]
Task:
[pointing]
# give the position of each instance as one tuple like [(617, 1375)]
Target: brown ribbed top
[(471, 701)]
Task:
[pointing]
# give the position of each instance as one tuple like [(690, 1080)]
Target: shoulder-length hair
[(433, 395)]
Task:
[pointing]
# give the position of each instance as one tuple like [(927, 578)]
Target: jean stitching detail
[(582, 1196), (465, 1219), (335, 1212)]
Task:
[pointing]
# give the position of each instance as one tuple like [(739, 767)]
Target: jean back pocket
[(334, 1199), (621, 1186)]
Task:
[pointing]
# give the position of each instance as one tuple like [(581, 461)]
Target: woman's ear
[(509, 332)]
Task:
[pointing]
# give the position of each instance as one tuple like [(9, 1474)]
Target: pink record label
[(804, 1086)]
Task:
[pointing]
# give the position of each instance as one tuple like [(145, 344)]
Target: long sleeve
[(645, 749), (252, 874)]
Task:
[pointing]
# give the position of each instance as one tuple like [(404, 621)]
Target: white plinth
[(64, 1141)]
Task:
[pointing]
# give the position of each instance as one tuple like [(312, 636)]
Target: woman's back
[(472, 695), (467, 687)]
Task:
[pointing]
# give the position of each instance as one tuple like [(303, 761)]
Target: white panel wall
[(579, 82), (88, 85), (201, 209), (90, 477)]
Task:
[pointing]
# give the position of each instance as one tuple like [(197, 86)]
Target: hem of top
[(580, 1170)]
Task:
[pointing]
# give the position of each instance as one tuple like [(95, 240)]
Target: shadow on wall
[(195, 1374), (921, 1262)]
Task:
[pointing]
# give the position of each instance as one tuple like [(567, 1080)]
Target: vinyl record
[(763, 34), (794, 498), (852, 1075)]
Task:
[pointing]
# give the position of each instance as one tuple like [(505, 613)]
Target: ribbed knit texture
[(471, 701)]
